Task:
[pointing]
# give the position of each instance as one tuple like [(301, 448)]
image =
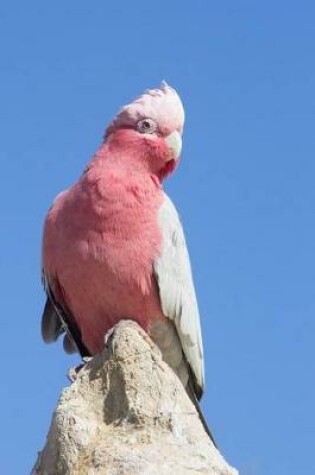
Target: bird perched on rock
[(114, 248)]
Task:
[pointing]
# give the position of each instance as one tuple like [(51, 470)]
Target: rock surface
[(128, 414)]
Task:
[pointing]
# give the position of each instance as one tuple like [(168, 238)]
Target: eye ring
[(147, 126)]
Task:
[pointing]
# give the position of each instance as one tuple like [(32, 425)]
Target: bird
[(114, 247)]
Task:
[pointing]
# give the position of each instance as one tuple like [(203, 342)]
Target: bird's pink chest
[(101, 239)]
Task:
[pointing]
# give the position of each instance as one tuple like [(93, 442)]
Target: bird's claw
[(86, 359), (73, 373)]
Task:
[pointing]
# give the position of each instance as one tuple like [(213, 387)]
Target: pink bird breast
[(101, 236)]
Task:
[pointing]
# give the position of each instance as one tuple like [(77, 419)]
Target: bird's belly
[(103, 284), (100, 243)]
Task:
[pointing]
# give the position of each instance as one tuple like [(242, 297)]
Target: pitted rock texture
[(128, 414)]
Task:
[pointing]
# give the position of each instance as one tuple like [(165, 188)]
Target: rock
[(128, 414)]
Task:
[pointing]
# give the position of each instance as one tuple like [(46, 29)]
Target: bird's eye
[(147, 126)]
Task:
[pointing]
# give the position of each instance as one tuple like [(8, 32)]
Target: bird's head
[(150, 128)]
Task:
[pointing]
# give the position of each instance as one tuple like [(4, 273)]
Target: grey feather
[(68, 345), (177, 293), (51, 324), (54, 321)]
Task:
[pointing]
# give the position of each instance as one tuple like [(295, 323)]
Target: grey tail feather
[(69, 345), (192, 395), (56, 322), (51, 325)]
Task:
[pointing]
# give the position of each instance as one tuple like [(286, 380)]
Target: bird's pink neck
[(124, 149)]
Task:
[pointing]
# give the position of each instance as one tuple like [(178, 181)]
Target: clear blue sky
[(245, 191)]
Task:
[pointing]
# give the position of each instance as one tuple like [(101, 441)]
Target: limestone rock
[(128, 414)]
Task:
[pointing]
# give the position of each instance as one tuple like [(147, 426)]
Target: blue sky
[(245, 191)]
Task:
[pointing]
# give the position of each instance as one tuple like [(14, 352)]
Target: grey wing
[(177, 293), (52, 327), (51, 324), (55, 322)]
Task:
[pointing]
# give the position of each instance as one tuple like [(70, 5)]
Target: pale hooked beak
[(174, 142)]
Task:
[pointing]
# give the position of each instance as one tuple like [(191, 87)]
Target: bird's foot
[(86, 359), (108, 335), (73, 373)]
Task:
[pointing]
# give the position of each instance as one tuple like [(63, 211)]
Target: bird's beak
[(174, 142)]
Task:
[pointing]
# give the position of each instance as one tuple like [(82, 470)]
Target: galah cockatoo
[(114, 247)]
